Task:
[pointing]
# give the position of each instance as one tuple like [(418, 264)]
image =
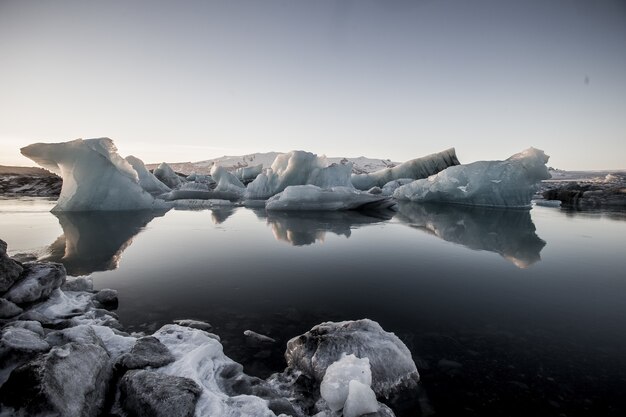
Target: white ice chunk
[(64, 304), (147, 180), (415, 168), (227, 181), (335, 385), (508, 183), (310, 197), (114, 343), (361, 400), (392, 186), (298, 168), (248, 173), (95, 177)]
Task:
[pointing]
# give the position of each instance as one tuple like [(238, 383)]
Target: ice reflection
[(307, 228), (94, 241), (508, 232)]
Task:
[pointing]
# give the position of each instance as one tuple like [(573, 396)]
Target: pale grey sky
[(180, 81)]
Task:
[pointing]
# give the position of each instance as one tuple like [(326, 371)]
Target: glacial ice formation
[(311, 197), (95, 177), (147, 180), (227, 182), (415, 168), (509, 233), (298, 168), (167, 176), (508, 183), (248, 173)]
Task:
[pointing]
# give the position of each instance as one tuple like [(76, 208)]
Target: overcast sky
[(180, 81)]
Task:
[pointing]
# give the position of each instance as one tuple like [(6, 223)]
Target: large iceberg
[(311, 197), (415, 168), (508, 183), (298, 168), (95, 177)]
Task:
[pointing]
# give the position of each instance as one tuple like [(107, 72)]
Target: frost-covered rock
[(61, 305), (33, 326), (226, 390), (392, 366), (147, 351), (70, 380), (167, 176), (82, 334), (509, 233), (152, 394), (194, 324), (335, 384), (95, 177), (415, 168), (78, 284), (8, 309), (298, 168), (107, 298), (38, 281), (227, 182), (508, 183), (21, 340), (313, 198), (10, 270), (258, 338), (147, 180)]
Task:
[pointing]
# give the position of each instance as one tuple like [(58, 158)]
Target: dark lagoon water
[(506, 312)]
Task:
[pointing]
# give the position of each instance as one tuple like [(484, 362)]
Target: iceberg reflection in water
[(508, 232), (306, 228), (94, 241)]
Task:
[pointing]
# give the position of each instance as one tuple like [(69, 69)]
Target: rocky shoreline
[(64, 352)]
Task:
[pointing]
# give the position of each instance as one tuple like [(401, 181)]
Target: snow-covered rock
[(38, 281), (8, 309), (151, 394), (508, 183), (70, 380), (22, 340), (78, 284), (509, 233), (95, 177), (167, 176), (10, 270), (258, 338), (335, 384), (313, 198), (147, 351), (194, 324), (147, 180), (298, 168), (415, 168), (392, 366)]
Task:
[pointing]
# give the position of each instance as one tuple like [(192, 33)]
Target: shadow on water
[(95, 241), (508, 232), (307, 228)]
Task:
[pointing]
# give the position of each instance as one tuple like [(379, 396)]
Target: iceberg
[(298, 168), (167, 176), (227, 182), (415, 168), (245, 174), (147, 180), (508, 183), (95, 177), (311, 197)]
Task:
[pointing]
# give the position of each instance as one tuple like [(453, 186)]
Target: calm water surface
[(506, 312)]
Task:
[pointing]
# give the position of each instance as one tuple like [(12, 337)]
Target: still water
[(506, 312)]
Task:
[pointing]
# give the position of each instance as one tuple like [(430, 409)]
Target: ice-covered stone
[(335, 384), (361, 400), (258, 338), (147, 180), (508, 183), (298, 168), (8, 309), (147, 351), (81, 334), (152, 394), (37, 282), (227, 182), (194, 324), (10, 270), (78, 284), (95, 177), (22, 340), (415, 169), (392, 366), (107, 298), (62, 305), (70, 380), (167, 176), (313, 198), (33, 326)]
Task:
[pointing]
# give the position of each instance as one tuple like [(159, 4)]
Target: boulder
[(10, 270), (8, 309), (70, 380), (151, 394), (147, 351)]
